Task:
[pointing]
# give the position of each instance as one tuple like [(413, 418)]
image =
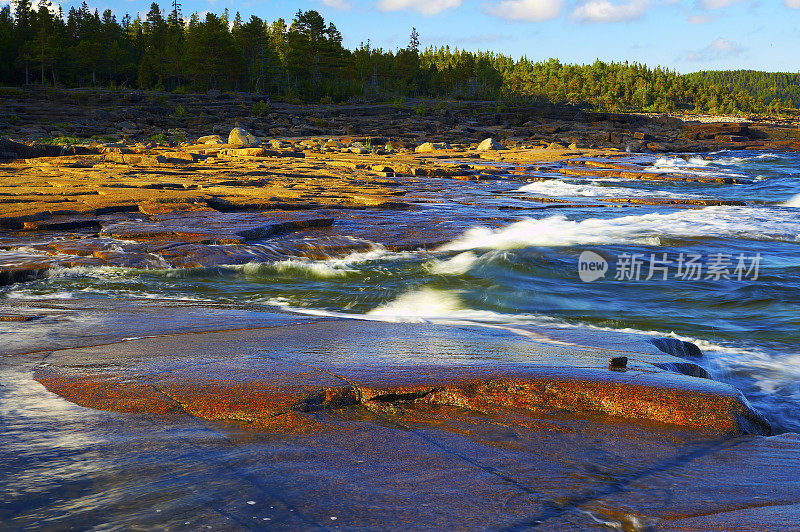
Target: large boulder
[(432, 146), (210, 139), (490, 144), (242, 137)]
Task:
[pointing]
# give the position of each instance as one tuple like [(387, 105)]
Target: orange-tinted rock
[(212, 376), (107, 391)]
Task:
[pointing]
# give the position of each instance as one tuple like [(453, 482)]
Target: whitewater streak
[(793, 202), (561, 188), (748, 223)]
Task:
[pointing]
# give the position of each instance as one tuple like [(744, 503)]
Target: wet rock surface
[(487, 373), (287, 425)]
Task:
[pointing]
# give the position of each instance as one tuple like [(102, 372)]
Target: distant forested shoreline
[(303, 60), (766, 86)]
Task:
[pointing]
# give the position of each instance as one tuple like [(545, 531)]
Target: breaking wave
[(559, 188), (747, 223)]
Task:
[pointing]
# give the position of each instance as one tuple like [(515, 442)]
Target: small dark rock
[(618, 362), (678, 348)]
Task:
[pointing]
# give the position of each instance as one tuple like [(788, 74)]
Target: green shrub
[(178, 134), (16, 92), (159, 138), (421, 110), (260, 108), (62, 140), (179, 112)]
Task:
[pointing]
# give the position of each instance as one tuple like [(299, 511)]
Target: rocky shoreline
[(546, 426), (297, 169), (138, 116)]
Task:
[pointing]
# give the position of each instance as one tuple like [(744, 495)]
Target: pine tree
[(413, 42), (176, 10)]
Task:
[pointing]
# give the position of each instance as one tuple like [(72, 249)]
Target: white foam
[(695, 166), (704, 345), (279, 301), (417, 305), (734, 161), (57, 272), (558, 187), (426, 305), (700, 162), (325, 268), (793, 202), (457, 265), (761, 223), (671, 163), (28, 295), (317, 269)]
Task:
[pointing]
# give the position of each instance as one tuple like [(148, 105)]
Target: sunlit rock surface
[(445, 426)]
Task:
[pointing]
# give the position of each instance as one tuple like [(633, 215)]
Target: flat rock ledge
[(267, 378), (286, 422)]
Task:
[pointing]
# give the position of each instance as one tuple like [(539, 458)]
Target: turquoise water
[(519, 264)]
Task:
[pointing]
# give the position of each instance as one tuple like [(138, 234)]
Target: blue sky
[(687, 35)]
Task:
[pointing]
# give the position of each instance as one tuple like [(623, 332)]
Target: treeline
[(629, 87), (768, 86), (304, 61)]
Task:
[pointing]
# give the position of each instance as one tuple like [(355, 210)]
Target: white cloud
[(527, 10), (794, 4), (719, 49), (716, 4), (606, 11), (700, 19), (344, 5), (426, 7)]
